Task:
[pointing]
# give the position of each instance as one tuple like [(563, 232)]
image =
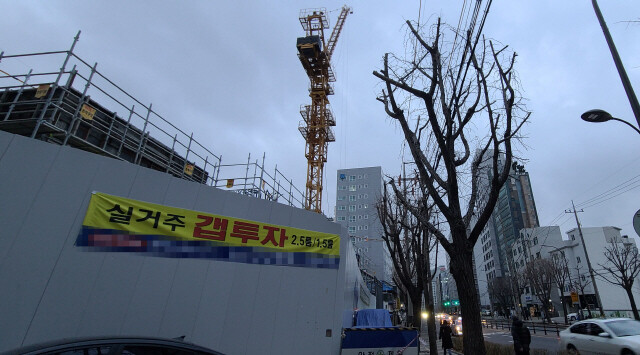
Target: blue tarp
[(373, 318)]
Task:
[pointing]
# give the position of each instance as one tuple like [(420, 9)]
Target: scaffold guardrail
[(77, 105)]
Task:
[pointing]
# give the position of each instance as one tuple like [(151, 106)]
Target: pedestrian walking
[(521, 337), (445, 335)]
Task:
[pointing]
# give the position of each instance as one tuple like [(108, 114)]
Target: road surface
[(550, 342)]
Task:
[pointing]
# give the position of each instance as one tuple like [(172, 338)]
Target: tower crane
[(315, 55)]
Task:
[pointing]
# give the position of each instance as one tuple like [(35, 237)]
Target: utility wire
[(616, 195), (623, 185)]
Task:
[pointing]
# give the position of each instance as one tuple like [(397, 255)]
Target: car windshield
[(624, 328)]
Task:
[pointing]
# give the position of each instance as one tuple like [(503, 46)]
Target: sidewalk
[(424, 344)]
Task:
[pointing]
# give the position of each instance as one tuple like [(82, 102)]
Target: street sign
[(636, 222), (574, 297)]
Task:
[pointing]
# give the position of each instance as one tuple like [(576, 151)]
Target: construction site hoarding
[(53, 289), (118, 224)]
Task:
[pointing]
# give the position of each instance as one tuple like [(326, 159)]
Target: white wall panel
[(52, 289)]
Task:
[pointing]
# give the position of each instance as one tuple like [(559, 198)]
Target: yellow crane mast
[(315, 55)]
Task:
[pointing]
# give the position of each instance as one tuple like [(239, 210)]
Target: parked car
[(585, 312), (486, 313), (620, 336), (114, 346)]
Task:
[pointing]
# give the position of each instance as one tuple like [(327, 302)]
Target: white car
[(456, 327), (620, 336)]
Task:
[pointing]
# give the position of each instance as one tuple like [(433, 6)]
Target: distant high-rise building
[(358, 190), (514, 210)]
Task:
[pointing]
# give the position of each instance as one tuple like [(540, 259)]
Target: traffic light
[(456, 302), (447, 303)]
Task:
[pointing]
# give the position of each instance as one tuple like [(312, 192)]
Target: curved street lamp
[(598, 115), (603, 116)]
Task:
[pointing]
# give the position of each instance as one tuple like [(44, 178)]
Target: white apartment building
[(545, 242), (358, 190)]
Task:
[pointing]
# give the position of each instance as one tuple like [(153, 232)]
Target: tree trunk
[(632, 300), (431, 320), (416, 303), (462, 271), (564, 308)]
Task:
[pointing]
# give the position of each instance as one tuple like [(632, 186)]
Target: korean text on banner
[(87, 112), (121, 224)]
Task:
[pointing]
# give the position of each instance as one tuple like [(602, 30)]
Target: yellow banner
[(188, 169), (109, 212), (42, 90), (87, 112)]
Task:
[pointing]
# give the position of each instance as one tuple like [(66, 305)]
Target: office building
[(514, 210), (358, 191)]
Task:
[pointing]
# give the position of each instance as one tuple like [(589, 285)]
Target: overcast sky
[(228, 71)]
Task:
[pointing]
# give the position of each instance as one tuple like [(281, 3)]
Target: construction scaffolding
[(75, 107)]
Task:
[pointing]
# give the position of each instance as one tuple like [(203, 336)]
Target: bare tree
[(501, 293), (450, 96), (410, 245), (622, 267), (580, 282), (561, 278), (540, 273)]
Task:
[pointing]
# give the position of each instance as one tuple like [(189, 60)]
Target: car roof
[(105, 341), (602, 321)]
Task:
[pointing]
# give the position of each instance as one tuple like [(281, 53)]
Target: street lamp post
[(604, 116), (600, 115)]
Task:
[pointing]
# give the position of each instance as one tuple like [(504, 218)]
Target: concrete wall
[(51, 289)]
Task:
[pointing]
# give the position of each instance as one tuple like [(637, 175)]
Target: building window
[(366, 185), (352, 218), (366, 216), (352, 178), (365, 206), (340, 198), (352, 208), (359, 228), (578, 259), (366, 228), (342, 187), (573, 237), (538, 255), (352, 187), (341, 218), (352, 198), (352, 229), (535, 241), (342, 208)]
